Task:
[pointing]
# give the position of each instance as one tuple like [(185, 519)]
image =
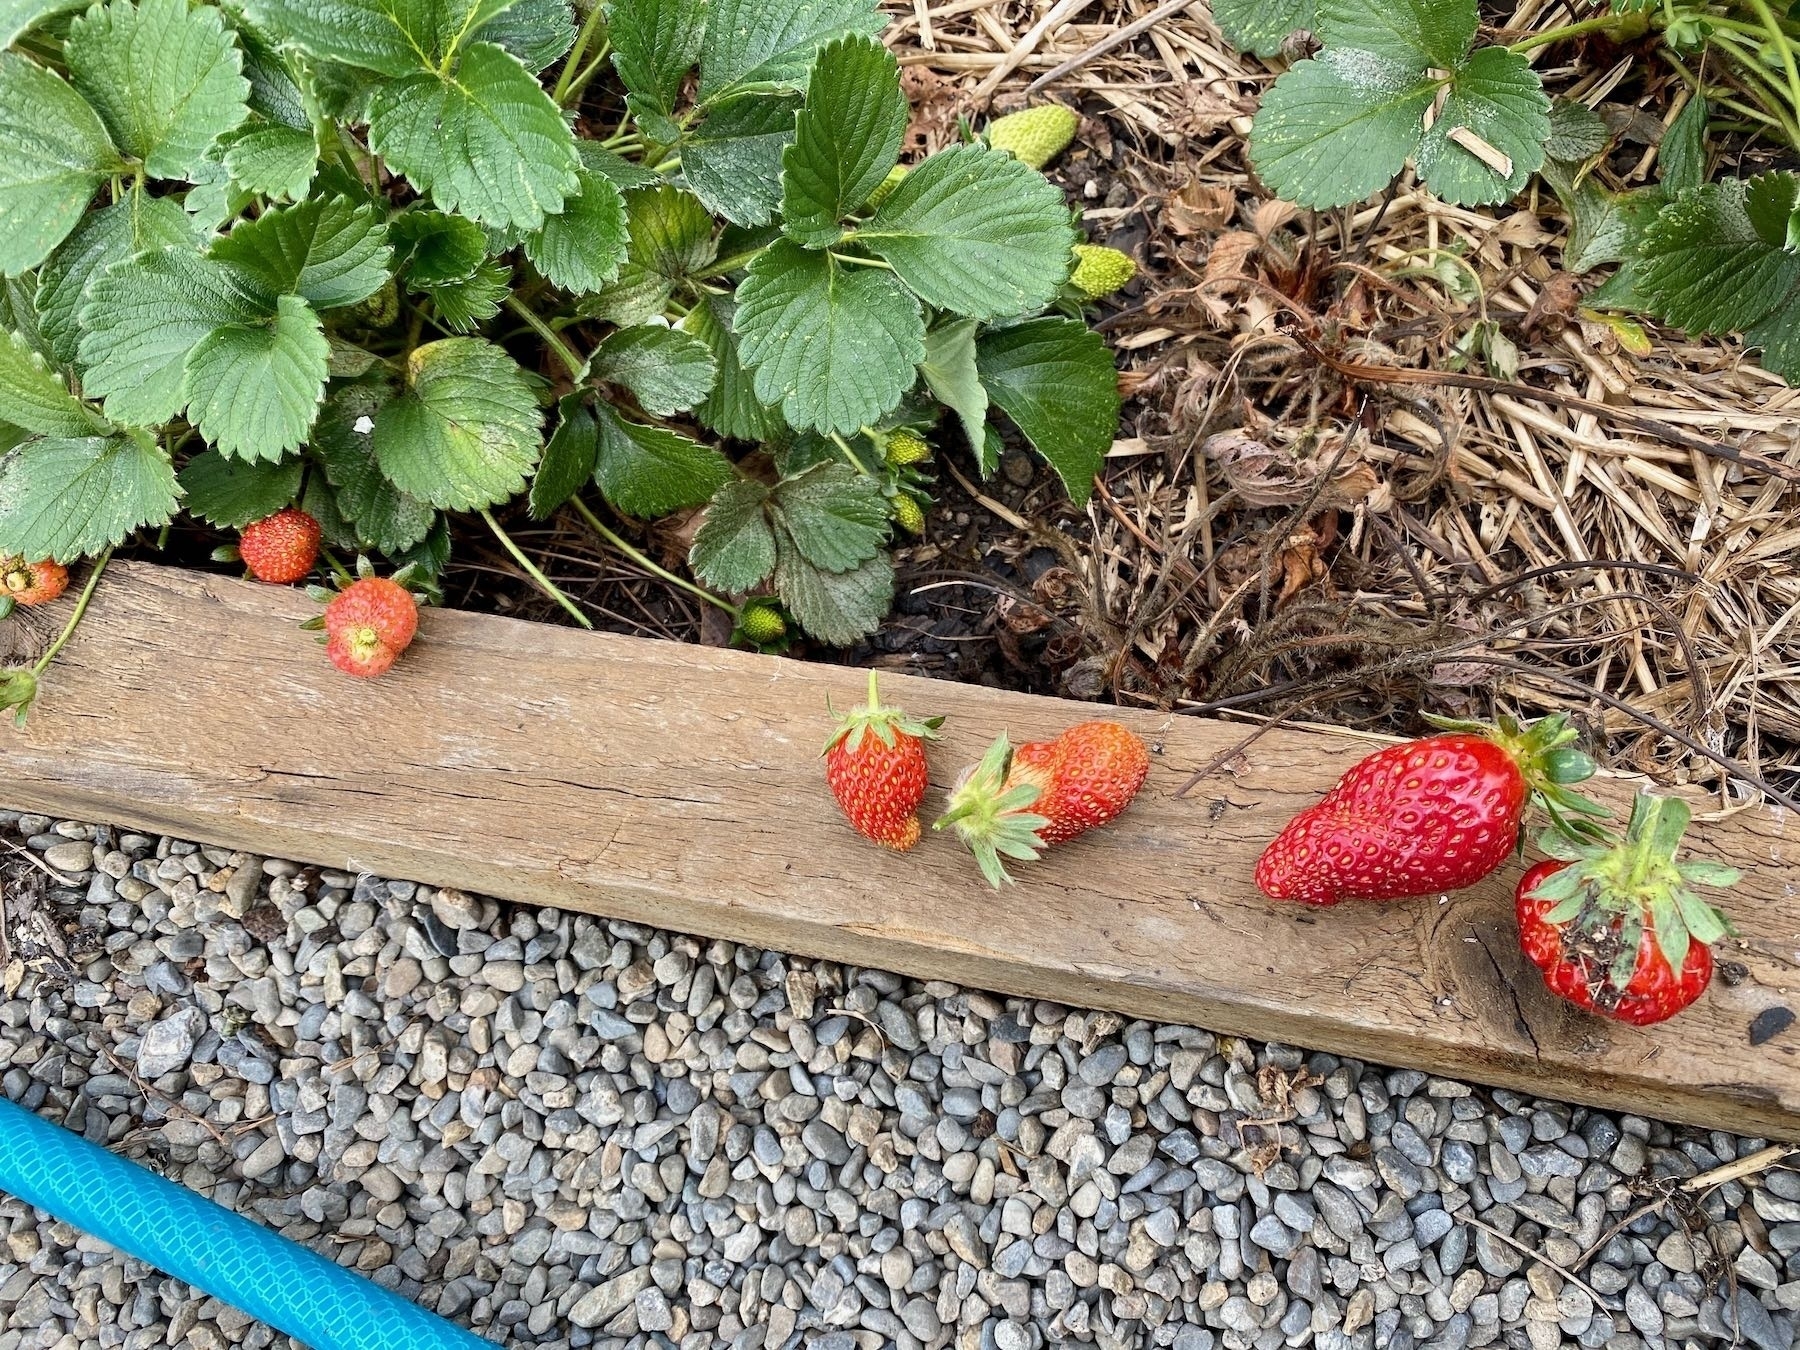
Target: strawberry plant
[(382, 261), (1395, 81)]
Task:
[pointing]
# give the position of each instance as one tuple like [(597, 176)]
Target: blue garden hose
[(193, 1239)]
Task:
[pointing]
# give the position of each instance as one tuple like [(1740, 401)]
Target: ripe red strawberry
[(1084, 777), (1428, 816), (369, 623), (1015, 803), (35, 583), (280, 548), (875, 764), (1611, 924)]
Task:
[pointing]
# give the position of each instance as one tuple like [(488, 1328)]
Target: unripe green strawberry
[(761, 623), (885, 188), (909, 514), (1035, 136), (1100, 270), (906, 447)]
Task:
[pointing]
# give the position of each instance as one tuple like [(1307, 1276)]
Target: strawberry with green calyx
[(1616, 926), (369, 622), (1429, 816), (1085, 777), (281, 548), (993, 818), (875, 765), (1099, 271), (32, 583), (1035, 136)]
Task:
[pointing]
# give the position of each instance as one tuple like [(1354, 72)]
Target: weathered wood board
[(681, 786)]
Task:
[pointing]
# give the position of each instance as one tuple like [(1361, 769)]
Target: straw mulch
[(1330, 503)]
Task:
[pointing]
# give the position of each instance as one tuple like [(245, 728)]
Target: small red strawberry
[(1429, 816), (875, 764), (369, 623), (1017, 802), (1610, 924), (35, 583), (1084, 777), (280, 548)]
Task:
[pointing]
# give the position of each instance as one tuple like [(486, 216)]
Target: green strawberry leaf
[(976, 232), (1055, 379), (231, 493), (1604, 227), (463, 306), (732, 409), (671, 232), (835, 607), (625, 175), (166, 79), (67, 499), (655, 44), (538, 32), (846, 138), (272, 159), (1577, 132), (734, 548), (1338, 127), (1262, 26), (104, 237), (54, 154), (18, 17), (731, 161), (254, 389), (143, 317), (1682, 155), (434, 249), (667, 370), (34, 398), (582, 247), (1498, 96), (768, 45), (380, 515), (1718, 259), (489, 144), (569, 457), (395, 38), (1419, 33), (329, 251), (835, 346), (951, 375), (835, 516), (465, 432), (650, 471)]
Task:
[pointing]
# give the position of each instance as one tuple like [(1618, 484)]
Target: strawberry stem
[(993, 819)]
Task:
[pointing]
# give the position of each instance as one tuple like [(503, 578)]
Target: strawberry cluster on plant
[(1381, 83), (367, 263)]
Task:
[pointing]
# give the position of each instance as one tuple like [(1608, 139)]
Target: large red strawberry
[(875, 764), (1429, 816), (35, 583), (1084, 777), (1611, 924), (280, 548), (369, 623)]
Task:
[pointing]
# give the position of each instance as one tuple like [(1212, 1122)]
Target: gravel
[(568, 1132)]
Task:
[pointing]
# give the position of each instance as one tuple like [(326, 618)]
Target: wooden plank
[(681, 786)]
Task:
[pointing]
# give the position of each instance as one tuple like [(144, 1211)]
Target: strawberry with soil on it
[(1017, 802), (875, 764), (1431, 815), (29, 584), (1611, 923), (281, 548), (368, 624)]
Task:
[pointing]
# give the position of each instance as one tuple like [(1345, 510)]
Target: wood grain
[(681, 786)]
